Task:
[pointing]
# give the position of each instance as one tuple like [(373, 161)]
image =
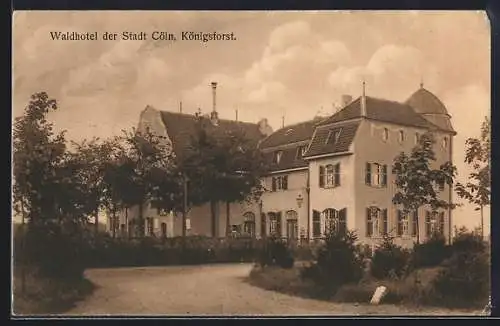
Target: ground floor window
[(434, 223), (292, 227), (376, 222), (164, 230), (407, 223), (275, 224), (316, 221), (334, 220), (249, 224)]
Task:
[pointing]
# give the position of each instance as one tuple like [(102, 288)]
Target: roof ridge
[(193, 116)]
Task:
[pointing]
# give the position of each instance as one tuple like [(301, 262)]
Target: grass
[(410, 291), (47, 296)]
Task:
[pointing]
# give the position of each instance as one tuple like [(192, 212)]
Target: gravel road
[(209, 290)]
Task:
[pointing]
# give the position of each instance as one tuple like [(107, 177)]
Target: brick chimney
[(214, 116)]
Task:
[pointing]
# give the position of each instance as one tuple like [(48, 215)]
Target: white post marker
[(380, 292)]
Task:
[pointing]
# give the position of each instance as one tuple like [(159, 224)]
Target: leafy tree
[(145, 172), (221, 165), (477, 190), (416, 179)]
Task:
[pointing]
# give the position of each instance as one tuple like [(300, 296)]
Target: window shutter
[(384, 221), (285, 182), (278, 224), (316, 224), (343, 221), (427, 224), (337, 174), (384, 175), (414, 223), (441, 223), (400, 223), (368, 176), (321, 176), (273, 184), (369, 223)]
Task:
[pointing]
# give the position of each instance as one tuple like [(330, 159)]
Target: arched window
[(385, 134), (292, 228), (334, 220), (401, 136), (249, 223)]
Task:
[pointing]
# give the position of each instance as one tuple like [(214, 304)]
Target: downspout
[(308, 195), (450, 192)]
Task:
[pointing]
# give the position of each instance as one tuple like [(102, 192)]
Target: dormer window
[(333, 136), (401, 136), (301, 150), (385, 134), (277, 157)]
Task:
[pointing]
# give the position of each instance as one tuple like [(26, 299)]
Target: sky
[(294, 65)]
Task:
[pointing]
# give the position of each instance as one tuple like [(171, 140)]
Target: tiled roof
[(424, 101), (381, 110), (289, 158), (319, 144), (290, 134), (181, 128)]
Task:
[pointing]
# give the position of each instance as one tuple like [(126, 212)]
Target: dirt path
[(208, 290)]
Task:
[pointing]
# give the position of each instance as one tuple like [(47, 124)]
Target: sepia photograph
[(251, 163)]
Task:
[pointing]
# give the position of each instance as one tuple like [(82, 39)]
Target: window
[(376, 175), (335, 221), (439, 185), (292, 228), (333, 136), (401, 137), (280, 183), (417, 138), (445, 142), (249, 224), (275, 224), (329, 176), (405, 226), (385, 134), (376, 222), (277, 157), (301, 150), (316, 227), (149, 222), (434, 223), (263, 227), (164, 230)]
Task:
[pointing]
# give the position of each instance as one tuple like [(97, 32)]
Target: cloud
[(392, 72)]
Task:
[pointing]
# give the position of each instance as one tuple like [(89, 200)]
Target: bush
[(275, 252), (389, 260), (468, 242), (338, 262), (430, 253), (464, 281)]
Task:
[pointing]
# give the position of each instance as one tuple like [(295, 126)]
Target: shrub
[(464, 281), (430, 253), (275, 252), (389, 260), (338, 262), (468, 242)]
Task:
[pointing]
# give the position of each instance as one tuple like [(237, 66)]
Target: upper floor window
[(445, 142), (301, 150), (277, 157), (376, 222), (333, 136), (376, 175), (385, 134), (280, 183), (401, 136), (329, 175)]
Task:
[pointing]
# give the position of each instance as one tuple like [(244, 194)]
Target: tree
[(416, 180), (477, 190), (147, 172), (222, 165)]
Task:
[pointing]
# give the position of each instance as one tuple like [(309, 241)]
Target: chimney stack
[(363, 101), (213, 115)]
